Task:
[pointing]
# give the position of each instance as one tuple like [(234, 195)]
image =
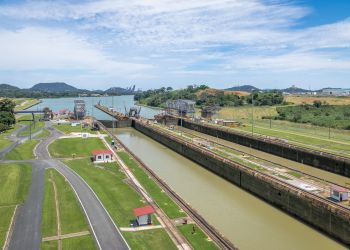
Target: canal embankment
[(320, 213), (319, 159)]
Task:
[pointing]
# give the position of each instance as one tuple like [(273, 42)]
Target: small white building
[(339, 193), (143, 215), (103, 155)]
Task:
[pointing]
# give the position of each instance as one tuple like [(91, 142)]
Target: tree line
[(7, 117), (158, 97)]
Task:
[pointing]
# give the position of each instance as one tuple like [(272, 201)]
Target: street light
[(252, 113)]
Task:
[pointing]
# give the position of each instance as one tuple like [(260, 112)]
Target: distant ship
[(79, 109)]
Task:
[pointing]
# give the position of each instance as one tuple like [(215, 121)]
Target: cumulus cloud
[(34, 48), (150, 38)]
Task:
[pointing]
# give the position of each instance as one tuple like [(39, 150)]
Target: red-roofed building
[(102, 155), (143, 215), (339, 193)]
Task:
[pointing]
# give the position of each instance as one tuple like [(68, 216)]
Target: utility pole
[(252, 113), (30, 131), (329, 132), (113, 119)]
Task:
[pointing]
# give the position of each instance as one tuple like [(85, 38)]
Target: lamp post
[(252, 113)]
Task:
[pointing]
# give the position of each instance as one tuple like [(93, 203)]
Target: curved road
[(27, 227)]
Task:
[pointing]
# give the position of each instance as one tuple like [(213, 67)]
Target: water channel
[(247, 221)]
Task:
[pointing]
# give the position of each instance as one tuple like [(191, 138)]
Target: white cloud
[(147, 39), (35, 48)]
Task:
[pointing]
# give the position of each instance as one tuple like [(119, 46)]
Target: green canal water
[(247, 221)]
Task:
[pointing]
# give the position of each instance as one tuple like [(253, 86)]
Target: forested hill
[(59, 89), (205, 96), (53, 87)]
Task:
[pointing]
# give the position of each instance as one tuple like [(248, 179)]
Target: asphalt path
[(27, 227)]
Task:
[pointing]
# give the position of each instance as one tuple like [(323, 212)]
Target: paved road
[(27, 227), (17, 139)]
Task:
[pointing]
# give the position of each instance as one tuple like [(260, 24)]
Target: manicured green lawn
[(72, 217), (4, 142), (166, 204), (85, 242), (197, 239), (67, 128), (117, 196), (23, 151), (80, 147), (49, 245), (35, 126), (24, 103), (5, 220), (48, 218), (149, 239), (44, 134), (15, 180), (120, 200)]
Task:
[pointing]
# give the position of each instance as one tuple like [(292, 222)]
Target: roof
[(144, 210), (102, 151), (340, 189)]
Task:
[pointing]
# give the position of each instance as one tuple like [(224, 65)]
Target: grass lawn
[(4, 142), (15, 180), (49, 245), (44, 134), (166, 204), (67, 128), (5, 219), (149, 239), (117, 196), (38, 125), (80, 147), (23, 103), (306, 134), (23, 151), (198, 239), (72, 217), (120, 200), (85, 242)]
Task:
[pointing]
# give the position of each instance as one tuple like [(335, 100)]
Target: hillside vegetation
[(205, 96), (334, 116)]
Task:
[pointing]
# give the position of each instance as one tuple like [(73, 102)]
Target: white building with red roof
[(102, 155), (143, 215)]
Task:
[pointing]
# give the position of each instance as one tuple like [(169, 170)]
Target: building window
[(99, 157)]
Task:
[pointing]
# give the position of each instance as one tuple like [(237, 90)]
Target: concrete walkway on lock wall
[(27, 227)]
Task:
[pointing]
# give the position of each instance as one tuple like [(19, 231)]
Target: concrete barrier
[(322, 214), (326, 161)]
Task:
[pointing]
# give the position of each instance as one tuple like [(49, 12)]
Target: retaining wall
[(320, 213), (329, 162), (117, 123)]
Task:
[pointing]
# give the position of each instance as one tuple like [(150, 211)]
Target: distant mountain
[(246, 88), (8, 87), (295, 90), (120, 91), (54, 87)]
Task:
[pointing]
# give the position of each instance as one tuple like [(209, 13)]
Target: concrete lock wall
[(328, 162), (321, 214), (117, 123)]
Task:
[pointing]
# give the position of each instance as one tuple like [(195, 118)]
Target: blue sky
[(154, 43)]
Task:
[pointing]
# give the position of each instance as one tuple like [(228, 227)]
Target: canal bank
[(319, 159), (247, 221)]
